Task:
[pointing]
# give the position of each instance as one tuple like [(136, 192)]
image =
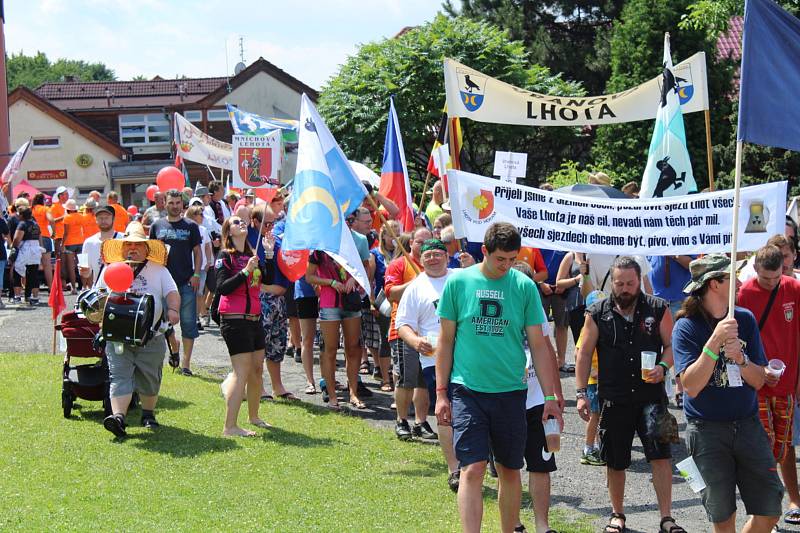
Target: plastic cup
[(552, 434), (648, 363), (688, 471), (776, 367), (433, 340), (83, 260)]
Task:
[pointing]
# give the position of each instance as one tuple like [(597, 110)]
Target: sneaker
[(206, 320), (297, 357), (453, 479), (402, 430), (186, 372), (363, 390), (150, 423), (116, 425), (33, 302), (200, 326), (323, 387), (16, 300), (424, 431), (592, 459)]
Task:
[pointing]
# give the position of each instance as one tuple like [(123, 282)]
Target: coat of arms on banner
[(788, 311), (257, 160), (472, 89), (478, 205), (683, 82)]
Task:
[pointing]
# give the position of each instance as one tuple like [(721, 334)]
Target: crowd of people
[(460, 330)]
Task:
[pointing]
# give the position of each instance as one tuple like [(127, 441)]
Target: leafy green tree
[(713, 16), (637, 48), (32, 71), (355, 102), (567, 36)]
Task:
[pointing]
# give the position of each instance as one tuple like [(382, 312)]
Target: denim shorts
[(730, 455), (188, 311), (327, 314), (479, 417)]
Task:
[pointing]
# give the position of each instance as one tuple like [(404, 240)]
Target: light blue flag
[(245, 123), (315, 219), (669, 169)]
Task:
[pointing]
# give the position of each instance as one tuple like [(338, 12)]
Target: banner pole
[(708, 151), (393, 234), (735, 229), (424, 190), (451, 148), (55, 322)]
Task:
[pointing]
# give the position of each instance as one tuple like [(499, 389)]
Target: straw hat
[(112, 248), (599, 178)]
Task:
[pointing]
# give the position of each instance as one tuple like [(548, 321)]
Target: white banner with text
[(678, 225), (194, 145)]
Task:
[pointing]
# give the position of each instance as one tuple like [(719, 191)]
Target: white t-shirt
[(417, 309), (599, 265), (205, 238), (91, 247), (535, 394), (153, 279)]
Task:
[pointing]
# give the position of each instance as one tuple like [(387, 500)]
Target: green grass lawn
[(314, 471)]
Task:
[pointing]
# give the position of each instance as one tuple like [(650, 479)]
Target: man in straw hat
[(139, 367), (721, 363)]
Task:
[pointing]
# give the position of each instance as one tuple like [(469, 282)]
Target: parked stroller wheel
[(67, 401)]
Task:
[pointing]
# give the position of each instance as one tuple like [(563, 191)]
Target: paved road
[(575, 486)]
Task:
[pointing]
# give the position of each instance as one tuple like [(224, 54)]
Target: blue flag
[(245, 123), (769, 112), (669, 169), (315, 220)]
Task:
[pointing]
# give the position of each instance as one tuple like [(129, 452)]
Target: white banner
[(476, 96), (258, 160), (679, 225), (194, 145)]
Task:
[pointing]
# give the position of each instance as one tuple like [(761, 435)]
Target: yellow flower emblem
[(480, 202)]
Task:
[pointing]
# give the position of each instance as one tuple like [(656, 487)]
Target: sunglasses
[(238, 223), (267, 223)]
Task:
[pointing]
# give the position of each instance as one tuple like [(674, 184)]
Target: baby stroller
[(88, 381)]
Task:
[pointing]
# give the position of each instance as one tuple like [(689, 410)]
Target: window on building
[(193, 116), (137, 130), (44, 143), (217, 115)]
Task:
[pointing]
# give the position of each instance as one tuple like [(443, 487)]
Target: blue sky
[(306, 38)]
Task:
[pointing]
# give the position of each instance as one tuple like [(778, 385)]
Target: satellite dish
[(239, 67)]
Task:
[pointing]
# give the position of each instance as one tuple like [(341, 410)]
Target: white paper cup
[(83, 260), (688, 471), (776, 367), (552, 434)]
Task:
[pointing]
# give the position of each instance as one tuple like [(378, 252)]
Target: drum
[(91, 303), (128, 318)]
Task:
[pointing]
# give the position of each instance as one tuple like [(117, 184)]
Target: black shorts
[(537, 457), (619, 422), (211, 280), (242, 336), (291, 305), (307, 307)]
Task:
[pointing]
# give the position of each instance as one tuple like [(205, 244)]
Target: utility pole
[(5, 136)]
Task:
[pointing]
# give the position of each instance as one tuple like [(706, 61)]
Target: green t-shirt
[(432, 211), (362, 245), (490, 316)]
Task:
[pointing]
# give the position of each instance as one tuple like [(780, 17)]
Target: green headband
[(433, 244)]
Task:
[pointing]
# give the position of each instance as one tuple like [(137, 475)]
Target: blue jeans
[(2, 273), (188, 311)]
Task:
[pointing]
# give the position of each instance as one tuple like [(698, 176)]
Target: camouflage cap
[(706, 268)]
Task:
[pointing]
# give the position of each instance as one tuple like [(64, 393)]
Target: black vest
[(619, 347)]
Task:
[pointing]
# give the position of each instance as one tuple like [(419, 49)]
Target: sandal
[(364, 369), (289, 397), (334, 407), (386, 387), (671, 529), (616, 528), (310, 389), (358, 404), (266, 397), (792, 516)]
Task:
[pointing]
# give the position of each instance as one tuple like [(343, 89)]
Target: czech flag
[(394, 174)]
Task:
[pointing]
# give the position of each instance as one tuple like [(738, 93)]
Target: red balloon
[(293, 263), (151, 192), (169, 178), (119, 276), (133, 210), (266, 193)]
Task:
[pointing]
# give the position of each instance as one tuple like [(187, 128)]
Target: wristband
[(333, 283), (195, 275), (708, 352), (583, 390), (173, 310), (550, 398), (441, 389), (665, 365)]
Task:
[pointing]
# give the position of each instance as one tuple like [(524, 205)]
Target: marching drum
[(91, 303), (128, 318)]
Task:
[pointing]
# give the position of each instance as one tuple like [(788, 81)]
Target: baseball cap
[(61, 190), (104, 208)]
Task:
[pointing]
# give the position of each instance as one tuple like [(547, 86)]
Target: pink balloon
[(151, 192), (169, 178), (133, 210), (119, 276)]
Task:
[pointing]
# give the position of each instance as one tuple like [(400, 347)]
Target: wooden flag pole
[(55, 322), (735, 230), (393, 234), (424, 191), (708, 151)]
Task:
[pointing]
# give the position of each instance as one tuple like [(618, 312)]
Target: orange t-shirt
[(73, 229), (40, 216), (89, 225), (121, 218), (398, 272), (56, 211), (533, 257)]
